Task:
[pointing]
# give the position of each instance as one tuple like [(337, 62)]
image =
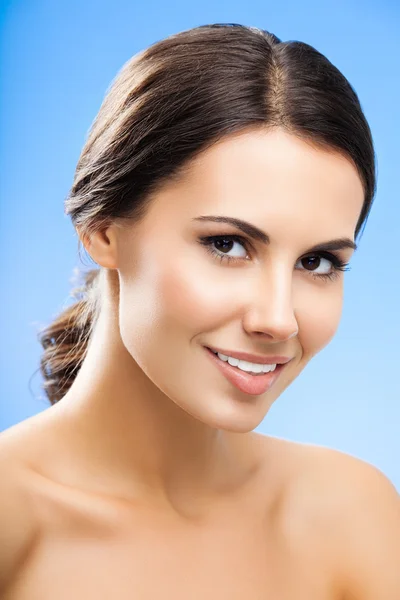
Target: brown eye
[(318, 263), (311, 262), (323, 266), (224, 244), (220, 246)]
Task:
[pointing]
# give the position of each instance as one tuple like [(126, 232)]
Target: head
[(220, 121)]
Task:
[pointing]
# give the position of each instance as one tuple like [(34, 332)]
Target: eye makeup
[(209, 242), (257, 234)]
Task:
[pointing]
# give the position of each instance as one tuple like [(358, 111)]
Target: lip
[(252, 385), (254, 358)]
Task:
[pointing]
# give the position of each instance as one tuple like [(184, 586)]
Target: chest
[(236, 559)]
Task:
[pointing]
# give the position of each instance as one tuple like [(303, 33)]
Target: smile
[(244, 365), (241, 378)]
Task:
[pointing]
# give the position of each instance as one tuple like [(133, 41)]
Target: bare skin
[(146, 480), (289, 531)]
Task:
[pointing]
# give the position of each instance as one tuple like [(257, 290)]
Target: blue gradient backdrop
[(57, 60)]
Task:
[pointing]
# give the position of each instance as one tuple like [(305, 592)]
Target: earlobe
[(102, 247)]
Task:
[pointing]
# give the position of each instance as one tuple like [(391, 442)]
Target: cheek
[(169, 301), (195, 296), (319, 319)]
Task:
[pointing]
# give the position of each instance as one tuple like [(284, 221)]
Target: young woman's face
[(188, 283)]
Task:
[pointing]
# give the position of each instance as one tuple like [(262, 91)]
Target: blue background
[(57, 60)]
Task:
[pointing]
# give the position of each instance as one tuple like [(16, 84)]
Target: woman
[(220, 191)]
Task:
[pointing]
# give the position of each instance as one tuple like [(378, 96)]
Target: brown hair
[(170, 102)]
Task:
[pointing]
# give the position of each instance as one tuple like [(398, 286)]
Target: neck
[(127, 426)]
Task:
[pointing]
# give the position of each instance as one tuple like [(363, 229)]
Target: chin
[(236, 416)]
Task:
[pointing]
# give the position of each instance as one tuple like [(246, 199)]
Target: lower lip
[(246, 382)]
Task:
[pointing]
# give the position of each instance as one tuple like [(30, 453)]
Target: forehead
[(273, 174)]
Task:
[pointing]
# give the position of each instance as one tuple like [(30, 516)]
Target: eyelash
[(337, 263)]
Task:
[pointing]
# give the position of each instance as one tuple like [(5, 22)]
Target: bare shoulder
[(355, 508), (367, 528), (23, 448), (18, 528)]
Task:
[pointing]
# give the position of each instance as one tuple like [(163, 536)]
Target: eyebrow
[(257, 234)]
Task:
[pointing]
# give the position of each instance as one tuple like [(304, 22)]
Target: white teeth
[(233, 361), (245, 365)]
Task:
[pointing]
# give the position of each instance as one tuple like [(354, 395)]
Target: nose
[(271, 311)]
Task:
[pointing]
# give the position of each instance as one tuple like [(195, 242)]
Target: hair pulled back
[(172, 101)]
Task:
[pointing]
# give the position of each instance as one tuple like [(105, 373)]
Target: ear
[(101, 246)]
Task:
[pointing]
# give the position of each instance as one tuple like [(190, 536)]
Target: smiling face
[(180, 292)]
